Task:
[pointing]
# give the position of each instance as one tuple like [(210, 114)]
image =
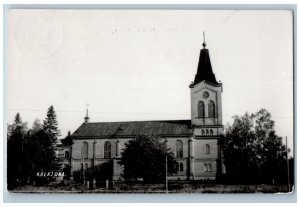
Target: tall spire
[(204, 71), (87, 118)]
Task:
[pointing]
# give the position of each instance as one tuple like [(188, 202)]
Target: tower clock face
[(205, 95)]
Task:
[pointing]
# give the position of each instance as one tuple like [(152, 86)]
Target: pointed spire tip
[(204, 43), (86, 118)]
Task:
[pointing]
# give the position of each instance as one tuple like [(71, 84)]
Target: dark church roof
[(133, 128), (205, 71)]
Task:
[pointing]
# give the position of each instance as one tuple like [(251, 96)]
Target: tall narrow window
[(107, 150), (85, 150), (67, 155), (117, 148), (207, 132), (211, 109), (207, 149), (209, 167), (201, 111), (211, 132), (179, 149), (181, 166)]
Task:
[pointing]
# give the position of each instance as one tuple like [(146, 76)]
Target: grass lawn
[(156, 188)]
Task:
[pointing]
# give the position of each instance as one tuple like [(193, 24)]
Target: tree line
[(31, 150), (251, 150)]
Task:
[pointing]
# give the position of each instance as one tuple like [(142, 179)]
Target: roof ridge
[(174, 127), (139, 121)]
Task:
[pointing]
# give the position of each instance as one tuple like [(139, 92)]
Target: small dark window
[(205, 167), (207, 132), (211, 132), (203, 132), (181, 166)]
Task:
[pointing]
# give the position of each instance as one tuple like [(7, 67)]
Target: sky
[(131, 65)]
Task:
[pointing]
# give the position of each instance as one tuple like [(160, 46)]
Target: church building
[(193, 142)]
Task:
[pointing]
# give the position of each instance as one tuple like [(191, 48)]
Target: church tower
[(206, 119), (206, 103)]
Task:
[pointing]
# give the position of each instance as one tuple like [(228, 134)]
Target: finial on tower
[(86, 118), (204, 43)]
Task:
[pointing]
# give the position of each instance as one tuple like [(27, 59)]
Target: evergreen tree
[(17, 123), (50, 125), (31, 151), (15, 153), (51, 132)]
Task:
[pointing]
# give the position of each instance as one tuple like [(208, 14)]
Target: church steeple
[(204, 71), (206, 104)]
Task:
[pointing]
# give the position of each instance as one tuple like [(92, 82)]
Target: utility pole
[(166, 166), (166, 174), (287, 164), (82, 163), (83, 172), (94, 161)]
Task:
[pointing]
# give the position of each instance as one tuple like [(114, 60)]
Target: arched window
[(85, 150), (203, 132), (211, 109), (181, 166), (211, 132), (209, 167), (179, 149), (107, 150), (67, 155), (201, 110), (205, 167), (207, 149), (207, 132)]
